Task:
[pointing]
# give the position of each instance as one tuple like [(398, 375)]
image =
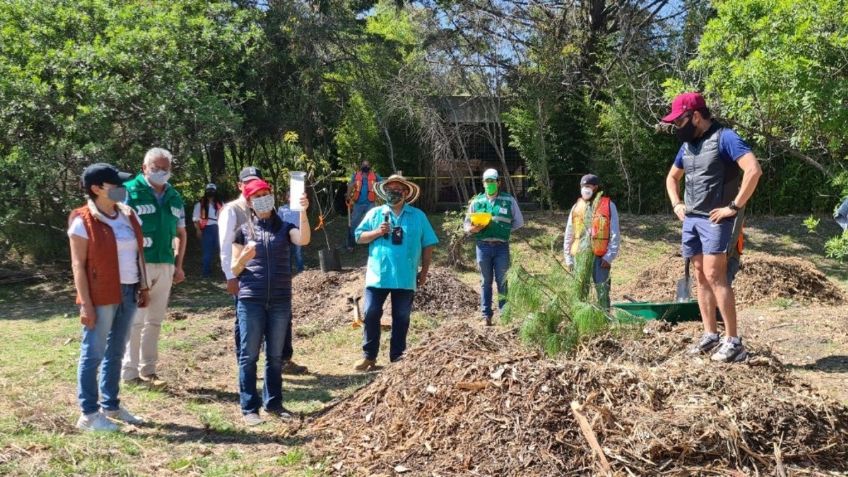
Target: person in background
[(205, 218), (109, 275), (235, 214), (721, 174), (400, 239), (493, 239), (593, 226), (261, 250), (162, 214), (360, 197)]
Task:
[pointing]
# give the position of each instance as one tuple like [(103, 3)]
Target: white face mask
[(159, 177), (263, 204), (586, 193)]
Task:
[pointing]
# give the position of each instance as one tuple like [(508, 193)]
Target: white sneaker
[(252, 419), (731, 351), (123, 415), (96, 421)]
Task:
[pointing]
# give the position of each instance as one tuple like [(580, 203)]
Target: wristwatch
[(732, 206)]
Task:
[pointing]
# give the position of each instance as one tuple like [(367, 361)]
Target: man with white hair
[(502, 218), (162, 214)]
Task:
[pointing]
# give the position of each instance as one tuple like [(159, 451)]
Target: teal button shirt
[(396, 266)]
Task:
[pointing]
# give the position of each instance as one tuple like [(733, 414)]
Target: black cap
[(590, 179), (250, 173), (102, 173)]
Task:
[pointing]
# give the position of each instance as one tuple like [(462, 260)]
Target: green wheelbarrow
[(673, 312)]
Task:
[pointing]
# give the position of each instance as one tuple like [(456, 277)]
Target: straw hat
[(414, 190)]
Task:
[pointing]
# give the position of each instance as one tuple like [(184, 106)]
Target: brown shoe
[(365, 364), (154, 381), (290, 367), (136, 381)]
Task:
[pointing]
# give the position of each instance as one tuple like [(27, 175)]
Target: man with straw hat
[(400, 239), (502, 217)]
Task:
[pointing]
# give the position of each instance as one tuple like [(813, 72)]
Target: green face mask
[(491, 188)]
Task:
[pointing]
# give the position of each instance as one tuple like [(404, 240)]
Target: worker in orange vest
[(360, 198), (593, 223)]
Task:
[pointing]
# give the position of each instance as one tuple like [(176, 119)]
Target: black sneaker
[(709, 341), (731, 351), (488, 320)]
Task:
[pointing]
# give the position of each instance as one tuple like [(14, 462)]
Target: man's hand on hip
[(680, 211), (717, 215)]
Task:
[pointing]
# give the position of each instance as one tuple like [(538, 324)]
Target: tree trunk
[(217, 162)]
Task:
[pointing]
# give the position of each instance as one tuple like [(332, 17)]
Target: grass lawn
[(195, 424)]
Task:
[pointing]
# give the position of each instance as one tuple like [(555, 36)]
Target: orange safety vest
[(600, 233), (357, 186)]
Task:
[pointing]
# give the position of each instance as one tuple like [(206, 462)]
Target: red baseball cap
[(253, 187), (684, 103)]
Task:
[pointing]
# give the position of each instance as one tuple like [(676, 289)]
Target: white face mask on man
[(159, 177), (586, 192)]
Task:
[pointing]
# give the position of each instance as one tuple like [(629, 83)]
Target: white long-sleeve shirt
[(615, 235), (228, 223), (211, 213)]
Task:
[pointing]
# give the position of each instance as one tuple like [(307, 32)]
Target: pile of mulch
[(762, 279), (444, 294), (470, 401), (322, 301)]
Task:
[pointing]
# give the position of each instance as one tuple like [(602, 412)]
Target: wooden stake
[(590, 436)]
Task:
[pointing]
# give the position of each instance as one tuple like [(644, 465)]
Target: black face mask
[(394, 197), (366, 169), (687, 132)]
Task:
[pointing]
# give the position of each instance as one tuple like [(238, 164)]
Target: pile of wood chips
[(470, 401), (320, 301), (762, 279)]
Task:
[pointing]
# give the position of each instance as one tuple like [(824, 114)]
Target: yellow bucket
[(480, 219)]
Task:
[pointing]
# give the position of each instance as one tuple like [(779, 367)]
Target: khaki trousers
[(143, 347)]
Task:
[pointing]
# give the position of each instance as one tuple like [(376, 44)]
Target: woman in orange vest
[(360, 198), (109, 274), (597, 229)]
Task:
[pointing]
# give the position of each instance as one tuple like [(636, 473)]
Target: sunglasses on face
[(682, 120)]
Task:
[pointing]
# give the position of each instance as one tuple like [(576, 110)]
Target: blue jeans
[(357, 213), (258, 321), (493, 261), (288, 349), (209, 242), (103, 347), (601, 279), (401, 309), (296, 258)]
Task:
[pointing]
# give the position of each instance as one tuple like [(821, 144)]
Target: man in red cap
[(711, 159)]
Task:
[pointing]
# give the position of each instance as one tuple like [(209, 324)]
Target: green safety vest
[(158, 222), (501, 209)]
